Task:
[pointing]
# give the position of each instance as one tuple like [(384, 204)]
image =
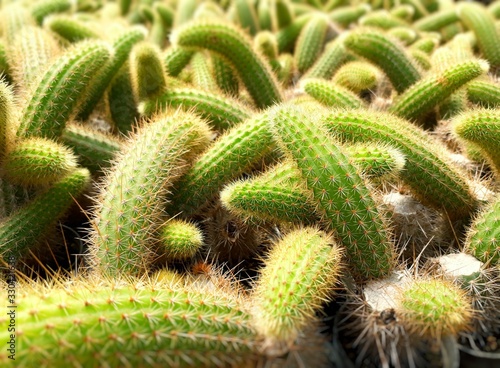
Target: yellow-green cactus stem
[(286, 69), (130, 324), (265, 15), (53, 100), (484, 93), (346, 15), (426, 43), (276, 196), (147, 70), (334, 55), (283, 13), (234, 152), (310, 42), (482, 128), (166, 13), (331, 94), (44, 8), (175, 59), (421, 58), (437, 20), (433, 178), (222, 112), (344, 201), (387, 54), (180, 240), (403, 11), (94, 149), (381, 19), (122, 46), (122, 103), (15, 17), (287, 36), (126, 216), (357, 76), (482, 239), (434, 308), (38, 161), (70, 29), (228, 41), (29, 224), (405, 34), (7, 119), (476, 18), (494, 9), (30, 53), (201, 69), (247, 16), (298, 276), (433, 89), (225, 76), (184, 11)]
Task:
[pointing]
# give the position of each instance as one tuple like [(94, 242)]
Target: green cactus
[(234, 152), (44, 8), (7, 119), (147, 71), (71, 29), (332, 58), (38, 162), (225, 76), (95, 150), (436, 21), (434, 308), (381, 19), (434, 180), (122, 46), (348, 14), (140, 324), (388, 55), (222, 112), (228, 41), (484, 93), (357, 76), (331, 94), (432, 89), (283, 302), (28, 225), (53, 100), (345, 202), (175, 59), (180, 240), (126, 217), (201, 69), (476, 18), (310, 42), (482, 128), (482, 236)]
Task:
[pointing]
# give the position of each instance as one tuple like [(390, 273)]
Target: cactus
[(53, 100), (222, 112), (429, 91), (228, 41), (331, 94), (129, 324), (180, 240), (148, 73), (310, 42), (482, 237), (44, 8), (122, 46), (333, 56), (484, 93), (95, 150), (357, 76), (234, 152), (482, 128), (434, 308), (38, 162), (344, 200), (283, 303), (126, 218), (27, 225), (388, 55), (433, 178), (7, 119), (71, 29)]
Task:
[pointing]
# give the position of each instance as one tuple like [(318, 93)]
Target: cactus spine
[(231, 43)]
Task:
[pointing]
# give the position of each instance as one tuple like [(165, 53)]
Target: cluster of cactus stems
[(228, 167)]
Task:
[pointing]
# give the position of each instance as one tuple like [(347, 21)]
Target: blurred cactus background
[(250, 183)]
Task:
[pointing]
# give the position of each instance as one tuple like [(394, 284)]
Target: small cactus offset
[(180, 239)]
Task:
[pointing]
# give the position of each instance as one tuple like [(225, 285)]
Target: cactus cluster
[(209, 183)]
